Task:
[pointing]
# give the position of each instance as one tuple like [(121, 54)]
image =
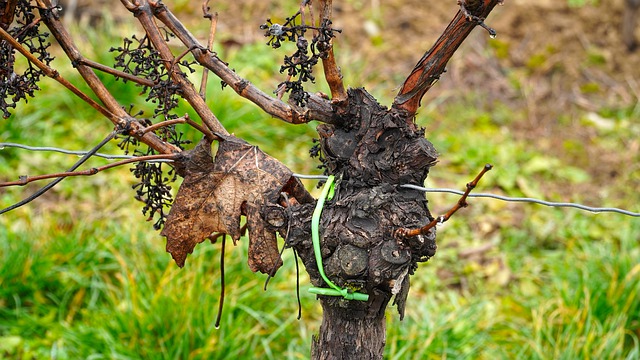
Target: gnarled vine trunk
[(373, 153)]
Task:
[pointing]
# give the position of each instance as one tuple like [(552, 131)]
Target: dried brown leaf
[(216, 192)]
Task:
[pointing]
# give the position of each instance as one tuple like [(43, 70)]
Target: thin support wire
[(69, 152), (526, 200), (49, 186), (501, 197), (311, 177), (406, 186)]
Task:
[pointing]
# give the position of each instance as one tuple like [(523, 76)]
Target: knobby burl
[(371, 153)]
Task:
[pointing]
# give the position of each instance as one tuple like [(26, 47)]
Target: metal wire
[(406, 186), (311, 177), (71, 152), (526, 200), (64, 151), (501, 197)]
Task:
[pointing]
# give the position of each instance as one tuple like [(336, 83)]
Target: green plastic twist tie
[(327, 193)]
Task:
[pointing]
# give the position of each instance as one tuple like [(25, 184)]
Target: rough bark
[(371, 154), (343, 336)]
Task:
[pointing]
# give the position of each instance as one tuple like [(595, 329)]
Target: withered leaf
[(215, 193)]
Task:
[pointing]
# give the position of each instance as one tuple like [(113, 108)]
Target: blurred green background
[(552, 103)]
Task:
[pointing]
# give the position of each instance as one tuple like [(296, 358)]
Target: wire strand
[(500, 197), (70, 152), (406, 186), (49, 186), (63, 151), (526, 200)]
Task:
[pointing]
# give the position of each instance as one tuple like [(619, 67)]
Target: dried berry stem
[(162, 124)]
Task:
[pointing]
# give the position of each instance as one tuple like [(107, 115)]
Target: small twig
[(117, 73), (202, 129), (282, 89), (313, 19), (212, 35), (477, 19), (462, 202), (24, 180), (19, 36), (162, 124), (176, 61), (303, 3)]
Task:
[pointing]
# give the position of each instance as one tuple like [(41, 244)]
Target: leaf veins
[(216, 192)]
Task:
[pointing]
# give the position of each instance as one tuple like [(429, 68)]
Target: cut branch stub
[(241, 180)]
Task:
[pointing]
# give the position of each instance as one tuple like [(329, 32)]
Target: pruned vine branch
[(432, 64), (331, 69), (317, 107)]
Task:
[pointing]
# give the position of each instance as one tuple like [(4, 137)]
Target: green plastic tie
[(327, 193)]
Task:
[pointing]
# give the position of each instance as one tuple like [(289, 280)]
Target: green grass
[(82, 275)]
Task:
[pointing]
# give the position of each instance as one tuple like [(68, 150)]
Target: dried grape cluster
[(299, 66), (138, 57), (154, 189), (14, 86)]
